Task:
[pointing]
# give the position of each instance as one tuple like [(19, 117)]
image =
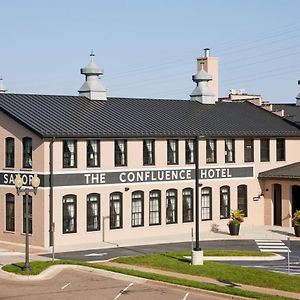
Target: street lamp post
[(35, 183), (197, 253)]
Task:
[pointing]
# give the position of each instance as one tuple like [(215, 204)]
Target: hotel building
[(122, 170)]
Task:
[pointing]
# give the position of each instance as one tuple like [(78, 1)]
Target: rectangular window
[(93, 212), (69, 214), (280, 149), (242, 199), (120, 153), (171, 207), (69, 153), (137, 212), (116, 210), (187, 202), (10, 212), (154, 207), (27, 152), (29, 214), (211, 151), (229, 151), (172, 152), (93, 153), (206, 200), (264, 150), (224, 202), (9, 153), (148, 152), (248, 150), (189, 151)]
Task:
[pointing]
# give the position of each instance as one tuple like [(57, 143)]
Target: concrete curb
[(52, 271), (245, 258)]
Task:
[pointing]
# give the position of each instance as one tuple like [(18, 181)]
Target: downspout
[(51, 223)]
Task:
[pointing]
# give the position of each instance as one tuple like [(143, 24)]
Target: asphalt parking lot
[(79, 284)]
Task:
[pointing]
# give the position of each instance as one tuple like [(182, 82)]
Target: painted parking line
[(123, 291), (63, 287), (185, 297)]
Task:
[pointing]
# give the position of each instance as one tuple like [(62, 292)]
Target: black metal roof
[(74, 116), (291, 112), (286, 172)]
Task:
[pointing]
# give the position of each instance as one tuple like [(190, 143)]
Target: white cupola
[(92, 87), (202, 92), (3, 89)]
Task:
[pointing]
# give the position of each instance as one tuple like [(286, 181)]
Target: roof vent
[(298, 97), (92, 87), (202, 92), (2, 86)]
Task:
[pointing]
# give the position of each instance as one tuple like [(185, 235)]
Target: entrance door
[(295, 198), (277, 206)]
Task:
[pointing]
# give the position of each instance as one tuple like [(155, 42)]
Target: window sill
[(23, 233), (93, 168), (9, 168), (9, 232), (26, 169)]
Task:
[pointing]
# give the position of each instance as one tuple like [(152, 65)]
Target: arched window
[(116, 220), (10, 212), (154, 207), (171, 206), (242, 198), (69, 214), (29, 214), (206, 203), (187, 205), (9, 152), (27, 152), (93, 212), (137, 209), (224, 202)]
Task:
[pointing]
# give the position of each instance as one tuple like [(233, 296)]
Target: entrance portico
[(281, 190)]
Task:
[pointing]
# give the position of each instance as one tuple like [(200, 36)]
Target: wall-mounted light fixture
[(126, 189)]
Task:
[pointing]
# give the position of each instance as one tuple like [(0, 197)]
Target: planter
[(234, 228), (297, 230)]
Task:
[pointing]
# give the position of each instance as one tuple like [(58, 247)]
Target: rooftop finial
[(92, 54)]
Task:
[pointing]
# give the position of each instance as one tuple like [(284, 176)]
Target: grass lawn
[(221, 271)]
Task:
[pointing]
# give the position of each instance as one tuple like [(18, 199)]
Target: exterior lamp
[(35, 183)]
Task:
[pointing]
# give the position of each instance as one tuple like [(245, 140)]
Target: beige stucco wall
[(10, 128)]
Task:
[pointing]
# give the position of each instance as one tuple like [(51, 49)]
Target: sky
[(148, 49)]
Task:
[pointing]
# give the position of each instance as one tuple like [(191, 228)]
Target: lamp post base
[(197, 257), (27, 268)]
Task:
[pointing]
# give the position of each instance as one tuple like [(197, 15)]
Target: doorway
[(295, 198), (277, 205)]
